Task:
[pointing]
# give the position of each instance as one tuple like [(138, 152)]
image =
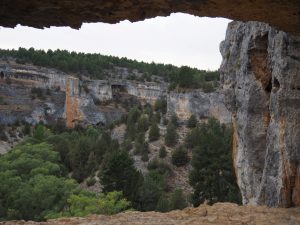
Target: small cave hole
[(2, 75), (276, 83), (269, 86)]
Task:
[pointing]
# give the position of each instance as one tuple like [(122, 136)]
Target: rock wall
[(100, 89), (260, 73), (148, 92), (67, 98), (73, 114), (199, 103)]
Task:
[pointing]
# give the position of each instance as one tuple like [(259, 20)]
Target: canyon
[(260, 79)]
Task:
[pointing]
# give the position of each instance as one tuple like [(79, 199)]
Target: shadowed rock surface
[(282, 14), (221, 213)]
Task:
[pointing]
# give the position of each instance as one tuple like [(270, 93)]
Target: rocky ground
[(221, 213)]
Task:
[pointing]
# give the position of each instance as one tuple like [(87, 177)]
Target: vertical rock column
[(260, 73), (72, 113)]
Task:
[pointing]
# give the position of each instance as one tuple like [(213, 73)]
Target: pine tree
[(192, 122), (153, 132), (119, 174), (162, 152), (180, 156), (212, 176), (178, 200), (171, 135)]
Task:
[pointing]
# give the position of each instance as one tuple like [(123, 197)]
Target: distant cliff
[(32, 94)]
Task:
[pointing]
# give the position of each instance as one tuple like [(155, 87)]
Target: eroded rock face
[(283, 14), (63, 97), (202, 105), (261, 81)]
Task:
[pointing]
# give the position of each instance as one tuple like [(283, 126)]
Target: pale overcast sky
[(179, 39)]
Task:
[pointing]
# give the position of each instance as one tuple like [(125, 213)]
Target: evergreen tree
[(162, 152), (119, 174), (163, 204), (171, 135), (143, 123), (174, 120), (192, 122), (178, 200), (153, 132), (180, 156), (212, 176)]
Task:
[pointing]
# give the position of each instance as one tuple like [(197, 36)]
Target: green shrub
[(160, 166), (91, 181)]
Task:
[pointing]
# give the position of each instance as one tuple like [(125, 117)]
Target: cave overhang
[(282, 14)]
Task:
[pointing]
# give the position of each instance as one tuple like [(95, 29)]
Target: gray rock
[(199, 103), (261, 81)]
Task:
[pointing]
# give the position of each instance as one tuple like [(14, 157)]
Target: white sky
[(179, 39)]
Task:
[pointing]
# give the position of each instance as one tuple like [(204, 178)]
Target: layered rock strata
[(260, 73)]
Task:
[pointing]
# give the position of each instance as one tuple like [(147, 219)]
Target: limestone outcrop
[(283, 14), (86, 101), (218, 214), (202, 105), (33, 94), (260, 73)]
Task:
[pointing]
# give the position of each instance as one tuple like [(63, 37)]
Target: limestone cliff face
[(64, 97), (100, 89), (203, 105), (146, 91), (261, 81)]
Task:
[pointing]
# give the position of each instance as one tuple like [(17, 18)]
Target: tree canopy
[(212, 176), (96, 66)]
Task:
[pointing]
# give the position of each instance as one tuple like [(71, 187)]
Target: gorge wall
[(260, 73), (84, 101), (202, 105)]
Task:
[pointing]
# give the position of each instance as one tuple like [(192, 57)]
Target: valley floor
[(220, 213)]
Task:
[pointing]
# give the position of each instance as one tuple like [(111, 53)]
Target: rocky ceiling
[(283, 14)]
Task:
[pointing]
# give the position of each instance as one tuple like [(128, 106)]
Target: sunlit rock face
[(283, 14), (261, 81)]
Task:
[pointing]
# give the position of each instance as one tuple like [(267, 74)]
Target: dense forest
[(96, 66)]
